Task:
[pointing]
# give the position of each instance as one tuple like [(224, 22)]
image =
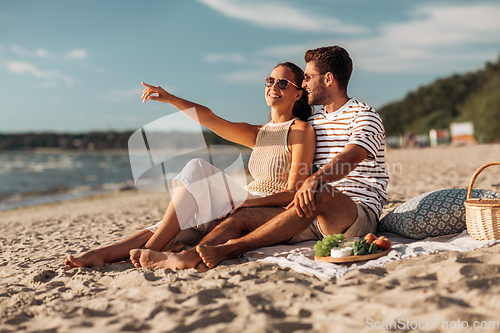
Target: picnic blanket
[(300, 257)]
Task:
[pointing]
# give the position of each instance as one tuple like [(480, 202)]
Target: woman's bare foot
[(88, 259), (213, 255), (177, 247), (153, 259)]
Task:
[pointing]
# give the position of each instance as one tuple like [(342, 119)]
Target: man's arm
[(338, 168), (341, 165)]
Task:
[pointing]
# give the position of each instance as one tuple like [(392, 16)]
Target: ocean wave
[(59, 193)]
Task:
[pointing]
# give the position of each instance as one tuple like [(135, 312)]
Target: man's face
[(315, 86)]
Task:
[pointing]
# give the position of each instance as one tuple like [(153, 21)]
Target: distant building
[(394, 141), (462, 134), (439, 137)]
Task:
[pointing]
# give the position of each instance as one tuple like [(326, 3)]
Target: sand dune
[(39, 294)]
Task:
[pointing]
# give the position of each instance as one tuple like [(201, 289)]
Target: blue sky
[(73, 66)]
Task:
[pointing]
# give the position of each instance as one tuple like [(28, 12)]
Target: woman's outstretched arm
[(242, 133)]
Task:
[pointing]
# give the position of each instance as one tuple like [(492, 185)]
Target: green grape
[(322, 247)]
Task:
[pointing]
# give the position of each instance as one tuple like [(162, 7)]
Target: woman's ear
[(299, 94)]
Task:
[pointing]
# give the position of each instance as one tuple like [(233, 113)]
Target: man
[(345, 195)]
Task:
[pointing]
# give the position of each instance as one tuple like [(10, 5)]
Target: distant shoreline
[(53, 150), (99, 141), (58, 150)]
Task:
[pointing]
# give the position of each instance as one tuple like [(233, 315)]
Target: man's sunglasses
[(308, 78), (282, 83)]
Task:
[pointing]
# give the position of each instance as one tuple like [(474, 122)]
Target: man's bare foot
[(213, 255), (153, 259), (201, 267), (88, 259)]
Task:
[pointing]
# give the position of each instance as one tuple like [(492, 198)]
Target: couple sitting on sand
[(314, 174)]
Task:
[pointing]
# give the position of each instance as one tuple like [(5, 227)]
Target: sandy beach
[(38, 293)]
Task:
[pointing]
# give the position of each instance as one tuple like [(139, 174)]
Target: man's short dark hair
[(333, 59)]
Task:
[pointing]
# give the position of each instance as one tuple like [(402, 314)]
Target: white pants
[(212, 191)]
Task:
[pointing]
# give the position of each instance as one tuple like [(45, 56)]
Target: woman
[(281, 160)]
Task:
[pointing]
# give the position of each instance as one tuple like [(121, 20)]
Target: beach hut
[(462, 134)]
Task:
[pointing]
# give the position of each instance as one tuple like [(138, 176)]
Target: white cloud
[(436, 39), (77, 54), (21, 51), (52, 76), (13, 57), (225, 58), (281, 16), (449, 24), (42, 53)]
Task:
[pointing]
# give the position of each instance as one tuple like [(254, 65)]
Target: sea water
[(33, 177), (28, 178)]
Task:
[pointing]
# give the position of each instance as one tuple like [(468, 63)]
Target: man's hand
[(303, 201), (228, 209)]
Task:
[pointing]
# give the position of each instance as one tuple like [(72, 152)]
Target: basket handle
[(478, 171)]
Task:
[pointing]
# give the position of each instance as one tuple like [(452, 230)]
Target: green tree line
[(473, 96)]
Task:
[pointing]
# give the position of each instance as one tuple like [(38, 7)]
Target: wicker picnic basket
[(482, 216)]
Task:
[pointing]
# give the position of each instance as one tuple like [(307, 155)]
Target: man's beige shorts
[(366, 222)]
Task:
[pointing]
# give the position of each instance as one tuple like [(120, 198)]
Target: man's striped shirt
[(359, 124)]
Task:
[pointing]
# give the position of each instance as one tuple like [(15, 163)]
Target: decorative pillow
[(431, 214)]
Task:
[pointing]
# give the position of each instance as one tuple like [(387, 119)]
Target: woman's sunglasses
[(282, 83)]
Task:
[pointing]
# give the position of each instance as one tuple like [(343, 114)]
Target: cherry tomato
[(370, 238), (383, 243)]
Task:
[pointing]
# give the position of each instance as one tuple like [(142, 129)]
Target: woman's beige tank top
[(271, 159)]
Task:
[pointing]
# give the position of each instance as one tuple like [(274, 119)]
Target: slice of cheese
[(339, 252)]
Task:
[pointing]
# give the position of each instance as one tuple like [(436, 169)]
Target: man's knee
[(329, 198), (251, 218), (234, 219), (325, 195), (238, 219)]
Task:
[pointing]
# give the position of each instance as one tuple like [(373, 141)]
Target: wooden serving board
[(352, 258)]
